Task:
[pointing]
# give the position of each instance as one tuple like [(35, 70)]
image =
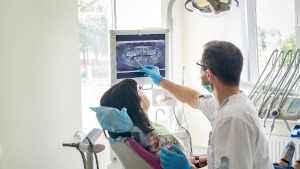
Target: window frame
[(252, 41), (252, 37)]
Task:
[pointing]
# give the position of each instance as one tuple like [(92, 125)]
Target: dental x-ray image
[(135, 51)]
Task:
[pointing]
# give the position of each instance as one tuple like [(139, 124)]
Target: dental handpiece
[(137, 61)]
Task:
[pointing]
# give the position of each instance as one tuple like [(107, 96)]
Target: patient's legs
[(297, 164), (283, 163), (287, 155)]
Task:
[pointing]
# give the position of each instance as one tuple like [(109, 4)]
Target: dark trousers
[(280, 167)]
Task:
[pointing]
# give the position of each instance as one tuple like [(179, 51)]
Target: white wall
[(191, 32), (39, 84), (238, 33)]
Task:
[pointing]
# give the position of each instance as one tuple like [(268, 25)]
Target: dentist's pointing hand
[(153, 72)]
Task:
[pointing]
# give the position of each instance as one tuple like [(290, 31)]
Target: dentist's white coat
[(236, 134)]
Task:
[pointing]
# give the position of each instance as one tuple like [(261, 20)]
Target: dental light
[(210, 8)]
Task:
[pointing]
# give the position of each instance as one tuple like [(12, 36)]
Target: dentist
[(236, 140)]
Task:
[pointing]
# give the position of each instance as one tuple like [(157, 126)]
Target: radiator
[(276, 145)]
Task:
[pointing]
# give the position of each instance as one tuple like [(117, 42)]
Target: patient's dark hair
[(125, 94)]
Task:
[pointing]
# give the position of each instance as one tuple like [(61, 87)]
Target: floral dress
[(162, 137)]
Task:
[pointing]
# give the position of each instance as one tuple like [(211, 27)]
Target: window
[(258, 27), (94, 60), (275, 28), (95, 19), (251, 27)]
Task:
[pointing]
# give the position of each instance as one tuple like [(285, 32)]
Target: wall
[(195, 31), (40, 85), (238, 33), (233, 27)]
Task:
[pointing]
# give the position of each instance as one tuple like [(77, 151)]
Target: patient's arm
[(194, 167), (199, 162)]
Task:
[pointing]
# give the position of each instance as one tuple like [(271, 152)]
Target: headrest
[(112, 119), (116, 121)]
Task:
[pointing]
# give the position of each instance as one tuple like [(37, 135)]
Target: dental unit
[(276, 93)]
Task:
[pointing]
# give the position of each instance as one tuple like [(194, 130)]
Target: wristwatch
[(197, 162)]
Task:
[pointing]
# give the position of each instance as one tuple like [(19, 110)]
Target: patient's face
[(145, 103)]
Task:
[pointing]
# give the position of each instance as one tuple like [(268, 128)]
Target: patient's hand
[(203, 161), (172, 149)]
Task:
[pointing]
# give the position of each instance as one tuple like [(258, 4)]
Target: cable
[(191, 145), (277, 85), (76, 145), (274, 81), (188, 133), (156, 114), (83, 158), (97, 164), (255, 88), (90, 143), (185, 5), (286, 88)]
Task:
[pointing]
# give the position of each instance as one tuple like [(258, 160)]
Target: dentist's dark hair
[(125, 94), (225, 60)]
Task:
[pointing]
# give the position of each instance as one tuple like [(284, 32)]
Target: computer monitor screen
[(132, 49)]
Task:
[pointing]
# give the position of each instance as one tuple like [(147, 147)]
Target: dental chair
[(121, 130), (133, 156)]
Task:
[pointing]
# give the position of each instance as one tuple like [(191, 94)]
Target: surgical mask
[(207, 87)]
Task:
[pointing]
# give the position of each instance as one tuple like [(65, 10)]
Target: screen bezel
[(113, 59)]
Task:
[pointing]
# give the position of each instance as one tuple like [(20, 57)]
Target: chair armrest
[(147, 156)]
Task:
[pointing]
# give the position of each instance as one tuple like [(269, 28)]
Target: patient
[(287, 156), (125, 94)]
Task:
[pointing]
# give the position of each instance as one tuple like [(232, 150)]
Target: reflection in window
[(275, 28)]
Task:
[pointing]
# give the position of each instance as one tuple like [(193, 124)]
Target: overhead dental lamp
[(210, 8)]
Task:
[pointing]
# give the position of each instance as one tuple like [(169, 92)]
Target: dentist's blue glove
[(153, 72), (172, 160)]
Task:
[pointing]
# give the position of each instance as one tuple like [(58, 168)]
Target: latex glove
[(153, 72), (171, 160)]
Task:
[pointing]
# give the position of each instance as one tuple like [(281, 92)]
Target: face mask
[(207, 87)]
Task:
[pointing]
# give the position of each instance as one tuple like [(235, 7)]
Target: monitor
[(132, 49)]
